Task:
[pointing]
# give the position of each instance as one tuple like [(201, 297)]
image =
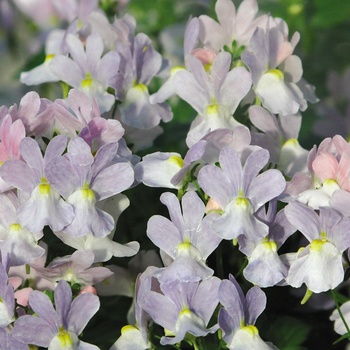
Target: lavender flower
[(87, 70), (57, 327), (265, 268), (184, 307), (239, 192), (90, 179), (187, 238), (239, 314), (319, 265), (43, 206)]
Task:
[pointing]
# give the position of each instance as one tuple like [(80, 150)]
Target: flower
[(58, 327)]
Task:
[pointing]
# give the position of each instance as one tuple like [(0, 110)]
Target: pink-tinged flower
[(11, 135), (87, 70), (328, 171), (31, 110), (59, 327), (234, 26), (42, 205), (75, 268), (84, 180), (319, 265)]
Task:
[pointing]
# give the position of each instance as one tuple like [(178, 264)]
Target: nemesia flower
[(75, 268), (214, 95), (87, 70), (187, 238), (58, 327), (265, 268), (239, 314), (11, 135), (139, 63), (233, 25), (279, 137), (136, 336), (328, 171), (240, 192), (157, 169), (183, 307), (275, 71), (30, 110), (83, 180), (319, 265), (43, 205), (18, 243), (104, 248)]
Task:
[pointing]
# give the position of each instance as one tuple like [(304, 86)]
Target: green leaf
[(289, 333)]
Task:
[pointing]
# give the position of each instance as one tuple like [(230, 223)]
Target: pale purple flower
[(265, 268), (187, 238), (240, 192), (319, 265), (214, 95), (18, 243), (43, 205), (139, 63), (183, 307), (87, 70), (238, 315), (84, 180), (57, 327), (279, 136), (276, 73)]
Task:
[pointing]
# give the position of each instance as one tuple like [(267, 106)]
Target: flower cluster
[(245, 184)]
